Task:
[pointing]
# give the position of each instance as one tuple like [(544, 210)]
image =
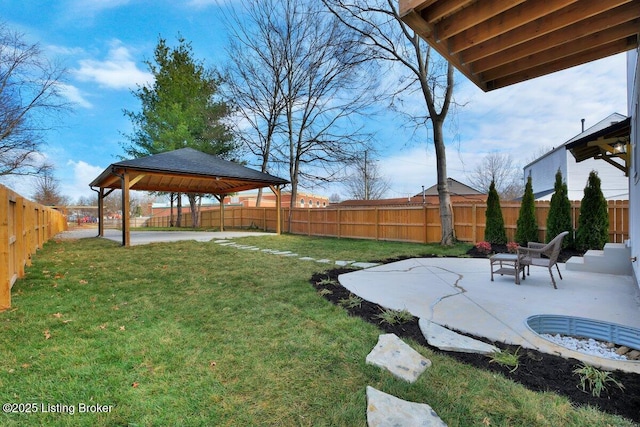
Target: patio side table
[(509, 264)]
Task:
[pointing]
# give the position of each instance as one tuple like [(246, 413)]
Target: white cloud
[(117, 71), (89, 9), (74, 95), (204, 3), (78, 176)]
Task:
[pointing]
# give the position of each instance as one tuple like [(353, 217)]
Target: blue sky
[(104, 43)]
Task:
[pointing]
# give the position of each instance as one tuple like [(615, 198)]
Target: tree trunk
[(444, 196), (193, 204)]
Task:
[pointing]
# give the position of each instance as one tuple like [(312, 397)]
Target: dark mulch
[(536, 371)]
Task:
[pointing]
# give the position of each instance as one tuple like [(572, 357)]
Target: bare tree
[(29, 92), (254, 78), (311, 86), (499, 168), (47, 189), (388, 39), (366, 182)]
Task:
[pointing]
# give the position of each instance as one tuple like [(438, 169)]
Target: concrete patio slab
[(146, 237), (457, 293)]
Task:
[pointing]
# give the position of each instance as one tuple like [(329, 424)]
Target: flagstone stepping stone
[(387, 410), (364, 264), (307, 258), (323, 261), (447, 340), (221, 241), (397, 357), (344, 263)]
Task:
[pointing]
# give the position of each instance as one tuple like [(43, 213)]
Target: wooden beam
[(135, 180), (417, 5), (624, 168), (473, 15), (439, 10), (543, 26), (415, 21), (526, 73), (541, 50), (508, 21)]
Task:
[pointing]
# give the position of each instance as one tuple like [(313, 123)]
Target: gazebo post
[(277, 192), (126, 235), (101, 212), (220, 198)]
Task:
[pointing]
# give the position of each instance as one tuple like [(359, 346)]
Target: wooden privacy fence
[(420, 224), (24, 227)]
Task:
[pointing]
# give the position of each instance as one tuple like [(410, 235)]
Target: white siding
[(543, 171), (633, 92), (614, 185)]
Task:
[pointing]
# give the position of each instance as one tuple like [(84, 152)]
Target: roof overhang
[(496, 43), (177, 182), (610, 144), (184, 171)]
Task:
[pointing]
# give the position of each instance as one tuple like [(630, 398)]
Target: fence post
[(474, 223), (5, 280)]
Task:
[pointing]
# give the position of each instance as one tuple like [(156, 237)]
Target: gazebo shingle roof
[(185, 170)]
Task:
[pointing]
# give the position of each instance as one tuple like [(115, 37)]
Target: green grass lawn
[(200, 334)]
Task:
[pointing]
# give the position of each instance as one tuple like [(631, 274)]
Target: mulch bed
[(536, 371)]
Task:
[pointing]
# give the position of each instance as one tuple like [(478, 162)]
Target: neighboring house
[(615, 185), (460, 193), (304, 200), (248, 199)]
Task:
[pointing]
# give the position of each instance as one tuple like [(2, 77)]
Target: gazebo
[(180, 171)]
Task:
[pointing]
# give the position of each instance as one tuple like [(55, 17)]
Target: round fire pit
[(585, 328)]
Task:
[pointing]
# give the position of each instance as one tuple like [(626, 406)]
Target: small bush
[(484, 247)]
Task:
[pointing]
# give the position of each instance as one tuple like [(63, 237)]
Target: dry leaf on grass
[(47, 334)]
